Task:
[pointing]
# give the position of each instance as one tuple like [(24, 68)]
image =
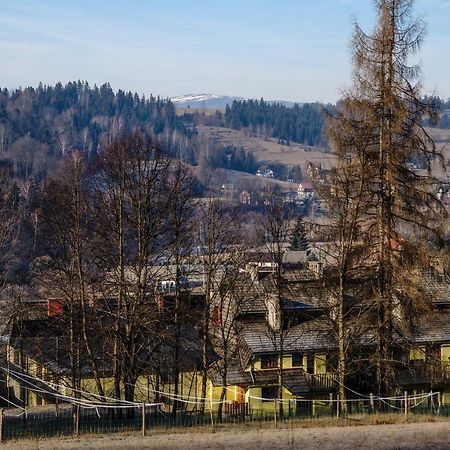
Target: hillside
[(267, 150), (215, 102), (39, 125), (203, 101)]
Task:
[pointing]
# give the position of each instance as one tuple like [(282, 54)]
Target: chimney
[(55, 307), (273, 312)]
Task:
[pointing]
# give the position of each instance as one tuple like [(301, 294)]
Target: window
[(269, 362), (297, 360), (269, 393), (417, 354), (445, 354), (320, 363)]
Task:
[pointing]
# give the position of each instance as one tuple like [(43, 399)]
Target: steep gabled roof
[(304, 295), (437, 288), (431, 328), (313, 335)]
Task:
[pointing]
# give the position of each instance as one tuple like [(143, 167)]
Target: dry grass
[(388, 431), (268, 149)]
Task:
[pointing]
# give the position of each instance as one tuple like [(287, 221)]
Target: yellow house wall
[(445, 353), (445, 397), (417, 353), (190, 386), (287, 362), (259, 405)]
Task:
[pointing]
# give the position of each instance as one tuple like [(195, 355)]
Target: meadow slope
[(412, 436)]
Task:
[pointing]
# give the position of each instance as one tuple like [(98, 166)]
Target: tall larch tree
[(386, 101)]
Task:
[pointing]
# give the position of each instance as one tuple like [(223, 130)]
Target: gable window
[(269, 362), (269, 393), (297, 360)]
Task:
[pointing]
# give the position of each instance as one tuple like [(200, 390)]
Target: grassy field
[(369, 432), (268, 149)]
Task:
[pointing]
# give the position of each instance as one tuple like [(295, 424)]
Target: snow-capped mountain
[(204, 101), (212, 101)]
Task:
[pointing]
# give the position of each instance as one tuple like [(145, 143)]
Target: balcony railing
[(322, 381), (237, 408), (425, 374)]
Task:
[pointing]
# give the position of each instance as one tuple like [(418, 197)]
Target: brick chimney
[(55, 307)]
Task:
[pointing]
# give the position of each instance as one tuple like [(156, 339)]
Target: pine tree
[(298, 239)]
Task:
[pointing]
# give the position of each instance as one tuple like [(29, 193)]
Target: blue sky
[(277, 49)]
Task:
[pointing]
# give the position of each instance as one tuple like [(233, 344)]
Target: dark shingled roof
[(307, 295), (293, 379), (437, 289), (313, 335), (434, 327)]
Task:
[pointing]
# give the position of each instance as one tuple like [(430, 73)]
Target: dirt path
[(404, 436)]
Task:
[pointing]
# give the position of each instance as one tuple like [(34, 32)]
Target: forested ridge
[(300, 123), (39, 125)]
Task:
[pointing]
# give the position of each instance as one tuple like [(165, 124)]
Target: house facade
[(284, 347)]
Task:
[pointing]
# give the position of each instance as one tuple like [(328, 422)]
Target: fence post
[(338, 405), (275, 412), (1, 425), (211, 413), (406, 403), (372, 406), (143, 419), (76, 420)]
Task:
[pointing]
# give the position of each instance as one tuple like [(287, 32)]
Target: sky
[(294, 50)]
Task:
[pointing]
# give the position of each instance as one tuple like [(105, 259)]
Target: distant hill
[(212, 101), (38, 125), (203, 101)]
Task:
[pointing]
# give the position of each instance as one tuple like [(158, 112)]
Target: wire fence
[(85, 412), (66, 420)]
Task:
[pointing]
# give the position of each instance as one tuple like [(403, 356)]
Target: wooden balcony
[(425, 374), (321, 382)]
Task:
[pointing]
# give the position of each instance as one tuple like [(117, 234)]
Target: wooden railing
[(426, 374), (322, 381), (236, 408)]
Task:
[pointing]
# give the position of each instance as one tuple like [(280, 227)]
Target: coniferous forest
[(300, 123), (39, 125)]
